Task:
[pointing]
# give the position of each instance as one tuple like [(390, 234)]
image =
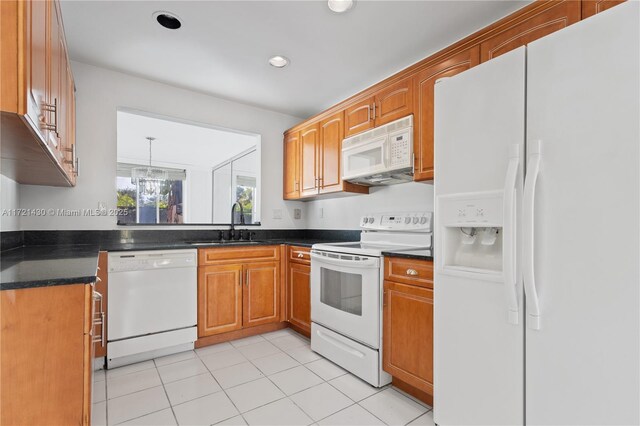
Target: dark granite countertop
[(420, 254), (40, 266)]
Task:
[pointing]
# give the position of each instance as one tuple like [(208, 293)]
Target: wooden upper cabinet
[(219, 299), (556, 16), (394, 102), (330, 155), (408, 334), (291, 173), (359, 117), (592, 7), (424, 83), (34, 96), (36, 73), (261, 294), (309, 142)]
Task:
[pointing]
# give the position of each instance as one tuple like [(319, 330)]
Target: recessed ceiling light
[(278, 61), (167, 20), (340, 6)]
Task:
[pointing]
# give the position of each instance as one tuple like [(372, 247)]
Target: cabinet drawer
[(409, 271), (300, 255), (216, 256)]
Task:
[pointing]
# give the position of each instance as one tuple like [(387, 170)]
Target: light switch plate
[(297, 213)]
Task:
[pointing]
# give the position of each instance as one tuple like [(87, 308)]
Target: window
[(150, 201)]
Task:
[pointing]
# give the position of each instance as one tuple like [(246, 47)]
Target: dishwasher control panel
[(152, 259)]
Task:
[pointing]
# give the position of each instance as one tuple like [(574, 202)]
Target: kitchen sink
[(222, 243)]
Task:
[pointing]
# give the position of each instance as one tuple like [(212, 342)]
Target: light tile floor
[(271, 379)]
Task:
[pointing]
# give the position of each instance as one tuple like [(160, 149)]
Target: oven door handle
[(366, 262)]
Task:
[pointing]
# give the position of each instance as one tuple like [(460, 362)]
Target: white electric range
[(346, 290)]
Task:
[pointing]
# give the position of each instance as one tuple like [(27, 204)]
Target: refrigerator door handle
[(533, 170), (509, 235)]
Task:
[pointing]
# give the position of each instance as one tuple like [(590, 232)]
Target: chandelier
[(148, 177)]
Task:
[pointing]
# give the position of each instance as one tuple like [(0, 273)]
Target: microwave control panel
[(401, 148)]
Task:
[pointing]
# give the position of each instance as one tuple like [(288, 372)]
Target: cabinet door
[(44, 355), (309, 142), (331, 135), (36, 74), (592, 7), (359, 117), (219, 299), (261, 294), (299, 296), (394, 102), (70, 115), (408, 334), (102, 286), (54, 78), (291, 173), (560, 15), (424, 83)]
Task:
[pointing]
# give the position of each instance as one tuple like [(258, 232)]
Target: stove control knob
[(407, 220), (423, 220), (371, 220), (415, 220)]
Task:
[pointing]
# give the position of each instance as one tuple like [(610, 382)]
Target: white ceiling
[(223, 46), (177, 144)]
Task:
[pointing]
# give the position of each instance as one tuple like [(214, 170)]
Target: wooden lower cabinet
[(235, 292), (46, 355), (299, 289), (408, 333), (261, 293), (219, 299)]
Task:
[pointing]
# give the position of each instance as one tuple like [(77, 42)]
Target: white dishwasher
[(152, 304)]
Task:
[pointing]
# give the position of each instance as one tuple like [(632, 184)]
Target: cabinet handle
[(412, 272), (300, 255), (246, 278), (295, 185), (374, 110), (102, 339), (384, 298), (54, 109)]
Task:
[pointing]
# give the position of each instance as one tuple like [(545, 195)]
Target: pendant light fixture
[(151, 175)]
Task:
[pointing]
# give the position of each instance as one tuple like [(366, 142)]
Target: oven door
[(345, 295)]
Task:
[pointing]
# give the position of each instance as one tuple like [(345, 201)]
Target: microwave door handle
[(344, 262)]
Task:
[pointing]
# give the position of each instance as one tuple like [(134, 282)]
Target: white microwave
[(381, 156)]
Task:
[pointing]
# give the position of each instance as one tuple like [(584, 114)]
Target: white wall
[(345, 213), (9, 199), (99, 93)]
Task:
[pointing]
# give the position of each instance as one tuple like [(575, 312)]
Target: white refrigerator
[(537, 221)]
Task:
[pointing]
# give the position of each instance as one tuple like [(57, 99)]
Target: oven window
[(341, 290)]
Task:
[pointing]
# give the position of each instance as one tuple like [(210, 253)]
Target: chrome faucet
[(232, 228)]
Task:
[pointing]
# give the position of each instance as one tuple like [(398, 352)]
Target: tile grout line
[(167, 394)]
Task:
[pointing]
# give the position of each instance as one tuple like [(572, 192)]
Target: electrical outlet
[(277, 213), (297, 213)]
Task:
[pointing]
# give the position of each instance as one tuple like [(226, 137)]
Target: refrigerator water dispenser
[(471, 233)]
